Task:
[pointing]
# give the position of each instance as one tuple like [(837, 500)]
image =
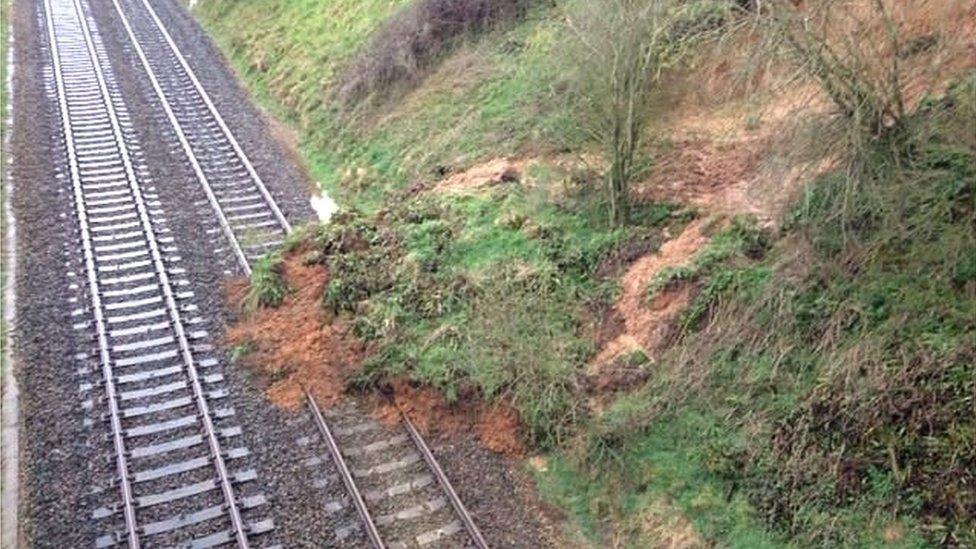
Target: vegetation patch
[(827, 392), (295, 345), (267, 288), (818, 389), (476, 296), (407, 45)]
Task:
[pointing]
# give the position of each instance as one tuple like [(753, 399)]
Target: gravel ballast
[(66, 470)]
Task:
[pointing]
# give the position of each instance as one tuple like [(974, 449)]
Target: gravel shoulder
[(57, 460)]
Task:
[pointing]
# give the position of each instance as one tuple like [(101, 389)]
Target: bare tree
[(861, 52), (618, 49)]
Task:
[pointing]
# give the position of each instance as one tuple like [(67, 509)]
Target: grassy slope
[(484, 103), (703, 439), (828, 391), (472, 261)]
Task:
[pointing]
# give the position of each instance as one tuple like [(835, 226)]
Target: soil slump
[(497, 426), (646, 325), (298, 345)]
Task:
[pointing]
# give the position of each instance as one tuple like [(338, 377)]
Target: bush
[(835, 376), (743, 238), (267, 288), (616, 55), (406, 46)]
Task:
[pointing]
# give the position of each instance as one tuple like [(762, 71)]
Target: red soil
[(498, 425), (298, 345)]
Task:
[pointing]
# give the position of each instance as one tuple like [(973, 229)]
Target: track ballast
[(177, 463), (182, 476)]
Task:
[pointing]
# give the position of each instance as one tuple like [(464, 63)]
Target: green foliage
[(821, 391), (743, 283), (240, 352), (472, 293), (267, 288), (828, 398), (743, 239)]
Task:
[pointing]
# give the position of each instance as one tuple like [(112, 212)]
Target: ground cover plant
[(816, 388), (824, 391)]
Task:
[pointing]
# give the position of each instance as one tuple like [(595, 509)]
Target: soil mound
[(298, 345)]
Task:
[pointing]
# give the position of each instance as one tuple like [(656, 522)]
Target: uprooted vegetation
[(480, 295), (778, 350)]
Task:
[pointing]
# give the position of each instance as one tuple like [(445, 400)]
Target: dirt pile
[(489, 174), (301, 345), (647, 325), (497, 425), (298, 345)]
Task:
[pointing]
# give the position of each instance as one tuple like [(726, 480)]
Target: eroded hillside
[(776, 349)]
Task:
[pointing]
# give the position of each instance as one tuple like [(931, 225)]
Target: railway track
[(394, 485), (181, 475), (251, 221), (179, 468)]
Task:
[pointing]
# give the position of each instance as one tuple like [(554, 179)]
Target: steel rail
[(215, 114), (240, 531), (128, 503), (357, 498), (428, 457), (459, 509), (220, 120), (184, 143)]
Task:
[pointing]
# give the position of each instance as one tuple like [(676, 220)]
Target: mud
[(647, 325), (298, 345), (497, 426), (489, 174)]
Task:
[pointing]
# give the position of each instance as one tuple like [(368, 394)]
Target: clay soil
[(497, 425), (299, 345), (483, 176)]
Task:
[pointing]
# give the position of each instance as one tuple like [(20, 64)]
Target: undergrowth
[(493, 96), (820, 390), (726, 264), (484, 294), (825, 395), (267, 287), (411, 41)]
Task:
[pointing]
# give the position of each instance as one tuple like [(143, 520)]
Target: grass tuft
[(267, 288)]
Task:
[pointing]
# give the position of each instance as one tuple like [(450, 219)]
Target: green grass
[(778, 418), (821, 395), (267, 288), (488, 104), (664, 464), (478, 292)]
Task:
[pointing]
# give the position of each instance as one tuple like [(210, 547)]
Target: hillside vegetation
[(776, 349)]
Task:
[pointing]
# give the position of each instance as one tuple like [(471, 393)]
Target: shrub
[(616, 54), (742, 238), (407, 45), (267, 287)]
